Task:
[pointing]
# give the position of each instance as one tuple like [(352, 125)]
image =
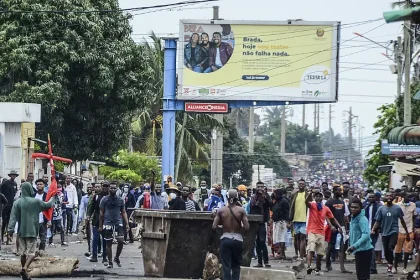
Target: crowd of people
[(329, 222), (323, 223)]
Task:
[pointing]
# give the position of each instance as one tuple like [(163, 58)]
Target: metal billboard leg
[(169, 110)]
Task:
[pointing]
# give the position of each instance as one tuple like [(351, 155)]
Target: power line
[(107, 11)]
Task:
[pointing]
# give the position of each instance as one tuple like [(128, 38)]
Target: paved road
[(132, 262)]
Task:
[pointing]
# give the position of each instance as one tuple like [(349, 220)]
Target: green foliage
[(106, 170), (236, 159), (268, 155), (147, 122), (387, 120), (139, 163), (125, 175), (138, 167), (83, 68), (59, 166)]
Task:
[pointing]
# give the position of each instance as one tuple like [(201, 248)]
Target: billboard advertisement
[(258, 61)]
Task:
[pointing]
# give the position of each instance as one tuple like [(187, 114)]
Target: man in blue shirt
[(387, 218)]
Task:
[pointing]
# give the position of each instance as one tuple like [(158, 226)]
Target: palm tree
[(273, 115), (403, 4), (147, 124)]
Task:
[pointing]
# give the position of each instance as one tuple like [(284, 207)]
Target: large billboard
[(258, 61)]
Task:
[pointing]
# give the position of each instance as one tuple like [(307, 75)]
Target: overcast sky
[(362, 89)]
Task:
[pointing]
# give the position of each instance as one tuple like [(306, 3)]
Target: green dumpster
[(175, 243)]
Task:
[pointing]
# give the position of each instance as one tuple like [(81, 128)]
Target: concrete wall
[(12, 115), (27, 164), (12, 149)]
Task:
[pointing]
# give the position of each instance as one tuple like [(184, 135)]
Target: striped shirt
[(189, 205)]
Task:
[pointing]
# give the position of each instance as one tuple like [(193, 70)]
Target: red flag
[(52, 190)]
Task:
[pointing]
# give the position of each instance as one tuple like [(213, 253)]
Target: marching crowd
[(325, 223)]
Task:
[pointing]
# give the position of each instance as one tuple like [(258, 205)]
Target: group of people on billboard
[(205, 55)]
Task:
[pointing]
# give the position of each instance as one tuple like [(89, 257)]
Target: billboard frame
[(334, 64)]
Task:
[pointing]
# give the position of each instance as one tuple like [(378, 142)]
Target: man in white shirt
[(41, 195), (72, 206)]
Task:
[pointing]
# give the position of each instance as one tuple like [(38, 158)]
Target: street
[(132, 264)]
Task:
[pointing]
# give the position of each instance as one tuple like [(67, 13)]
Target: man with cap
[(201, 194), (242, 194), (176, 203), (9, 190)]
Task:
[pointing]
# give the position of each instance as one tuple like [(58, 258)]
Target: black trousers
[(56, 227), (389, 243), (260, 245), (5, 220), (231, 258), (363, 260), (42, 236)]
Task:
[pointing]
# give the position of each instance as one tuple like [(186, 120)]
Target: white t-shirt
[(41, 215)]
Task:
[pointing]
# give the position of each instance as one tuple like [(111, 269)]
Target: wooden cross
[(52, 190)]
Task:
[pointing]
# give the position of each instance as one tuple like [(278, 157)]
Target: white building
[(12, 115)]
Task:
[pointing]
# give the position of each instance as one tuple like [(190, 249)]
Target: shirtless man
[(232, 218)]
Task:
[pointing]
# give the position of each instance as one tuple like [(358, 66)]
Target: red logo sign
[(206, 107)]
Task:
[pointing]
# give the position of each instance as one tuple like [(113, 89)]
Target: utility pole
[(330, 127), (315, 117), (398, 60), (407, 68), (251, 131), (303, 115), (217, 139), (350, 128), (283, 130)]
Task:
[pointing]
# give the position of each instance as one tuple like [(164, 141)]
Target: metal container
[(175, 243)]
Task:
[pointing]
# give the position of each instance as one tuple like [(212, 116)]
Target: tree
[(147, 124), (133, 166), (268, 155), (387, 120), (237, 163), (240, 117), (82, 67)]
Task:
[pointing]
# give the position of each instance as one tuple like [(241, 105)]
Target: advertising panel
[(258, 61)]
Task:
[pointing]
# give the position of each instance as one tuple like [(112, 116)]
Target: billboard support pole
[(217, 139), (169, 109)]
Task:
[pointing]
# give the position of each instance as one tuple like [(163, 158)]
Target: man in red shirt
[(318, 214)]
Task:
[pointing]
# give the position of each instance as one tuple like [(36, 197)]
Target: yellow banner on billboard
[(258, 61)]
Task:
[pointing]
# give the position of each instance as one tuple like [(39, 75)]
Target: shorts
[(316, 243), (27, 246), (110, 231), (299, 227), (279, 232), (402, 243)]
